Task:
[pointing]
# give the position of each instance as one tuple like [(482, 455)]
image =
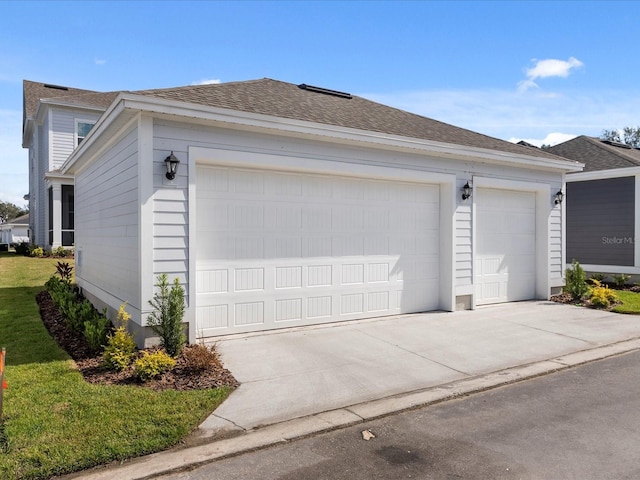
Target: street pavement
[(303, 381), (581, 423)]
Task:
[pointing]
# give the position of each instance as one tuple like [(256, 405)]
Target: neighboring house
[(603, 215), (295, 205), (55, 120), (15, 230)]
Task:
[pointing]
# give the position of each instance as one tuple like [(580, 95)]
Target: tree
[(9, 211), (630, 136)]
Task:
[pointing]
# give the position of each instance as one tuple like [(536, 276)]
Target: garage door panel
[(505, 246), (345, 249)]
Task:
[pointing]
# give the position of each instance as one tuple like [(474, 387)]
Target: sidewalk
[(303, 381)]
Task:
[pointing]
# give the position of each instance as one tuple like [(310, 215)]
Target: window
[(82, 129)]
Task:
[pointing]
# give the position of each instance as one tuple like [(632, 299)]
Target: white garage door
[(279, 249), (505, 246)]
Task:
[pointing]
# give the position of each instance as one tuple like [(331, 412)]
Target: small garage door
[(505, 246), (280, 249)]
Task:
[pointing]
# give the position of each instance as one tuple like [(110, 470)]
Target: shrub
[(602, 296), (576, 281), (22, 248), (64, 269), (36, 251), (199, 358), (120, 348), (621, 279), (166, 318), (597, 276), (152, 365), (96, 332)]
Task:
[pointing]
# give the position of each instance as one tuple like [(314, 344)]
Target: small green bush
[(22, 248), (121, 348), (36, 251), (96, 332), (598, 276), (621, 279), (152, 365), (576, 281), (166, 318)]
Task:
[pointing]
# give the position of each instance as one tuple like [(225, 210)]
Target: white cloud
[(548, 68), (551, 139), (212, 81), (99, 61)]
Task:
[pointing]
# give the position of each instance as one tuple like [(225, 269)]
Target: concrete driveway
[(299, 372)]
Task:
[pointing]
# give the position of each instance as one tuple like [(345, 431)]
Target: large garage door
[(505, 246), (278, 249)]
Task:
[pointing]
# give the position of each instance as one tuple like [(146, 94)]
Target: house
[(55, 120), (15, 230), (603, 214), (296, 205)]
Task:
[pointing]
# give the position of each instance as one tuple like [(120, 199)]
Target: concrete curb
[(174, 461)]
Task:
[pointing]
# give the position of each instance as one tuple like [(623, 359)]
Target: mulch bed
[(90, 364)]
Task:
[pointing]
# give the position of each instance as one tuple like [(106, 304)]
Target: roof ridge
[(614, 150)]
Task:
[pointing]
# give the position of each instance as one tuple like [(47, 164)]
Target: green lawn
[(630, 302), (54, 422)]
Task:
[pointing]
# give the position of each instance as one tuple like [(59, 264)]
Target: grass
[(630, 302), (56, 423)]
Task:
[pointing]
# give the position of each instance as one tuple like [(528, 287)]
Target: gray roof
[(597, 154), (21, 220), (34, 92), (287, 100)]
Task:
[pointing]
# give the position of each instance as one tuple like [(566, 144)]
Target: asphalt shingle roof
[(597, 155), (287, 100)]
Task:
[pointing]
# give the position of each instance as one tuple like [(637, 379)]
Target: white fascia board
[(602, 174), (286, 125)]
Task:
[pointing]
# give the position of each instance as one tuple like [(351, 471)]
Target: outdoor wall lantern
[(171, 162), (466, 191), (559, 197)]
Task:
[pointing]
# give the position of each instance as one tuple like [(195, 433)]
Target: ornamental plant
[(576, 281), (121, 348), (152, 365), (168, 311), (601, 296)]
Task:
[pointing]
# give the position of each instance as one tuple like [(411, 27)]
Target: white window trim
[(77, 121)]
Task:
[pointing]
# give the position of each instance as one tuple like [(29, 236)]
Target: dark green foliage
[(22, 248), (168, 311), (576, 281), (96, 332), (621, 279)]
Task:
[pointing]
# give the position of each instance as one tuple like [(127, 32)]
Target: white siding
[(173, 136), (42, 167), (107, 218), (556, 265), (63, 139)]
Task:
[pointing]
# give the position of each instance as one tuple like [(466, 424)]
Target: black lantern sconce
[(171, 162), (466, 191), (559, 197)]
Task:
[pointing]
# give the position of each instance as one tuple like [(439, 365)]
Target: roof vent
[(325, 91), (56, 87), (616, 144)]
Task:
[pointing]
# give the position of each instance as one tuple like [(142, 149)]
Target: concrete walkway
[(307, 380)]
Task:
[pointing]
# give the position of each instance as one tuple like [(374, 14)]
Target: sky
[(538, 71)]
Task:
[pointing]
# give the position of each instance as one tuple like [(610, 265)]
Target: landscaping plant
[(167, 315), (576, 281), (152, 364), (121, 348), (621, 279), (601, 296)]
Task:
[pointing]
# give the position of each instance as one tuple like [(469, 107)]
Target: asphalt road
[(582, 423)]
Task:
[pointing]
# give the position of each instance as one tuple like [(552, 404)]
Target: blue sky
[(540, 71)]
